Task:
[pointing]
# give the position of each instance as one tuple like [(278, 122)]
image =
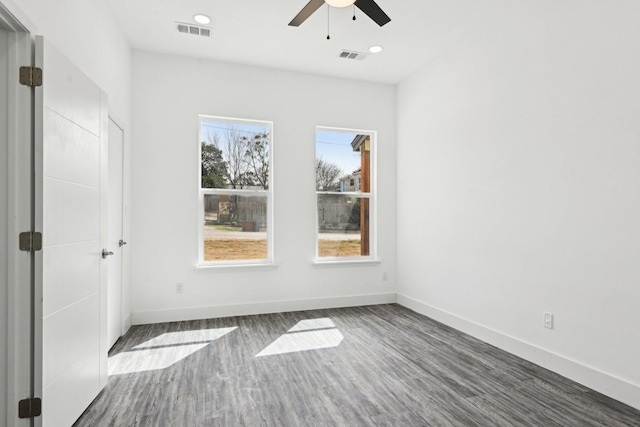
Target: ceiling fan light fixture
[(340, 3), (201, 19)]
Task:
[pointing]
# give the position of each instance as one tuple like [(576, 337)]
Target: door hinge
[(31, 76), (30, 408), (30, 241)]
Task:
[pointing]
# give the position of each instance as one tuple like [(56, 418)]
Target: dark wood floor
[(367, 366)]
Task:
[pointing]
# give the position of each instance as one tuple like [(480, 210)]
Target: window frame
[(268, 193), (371, 196)]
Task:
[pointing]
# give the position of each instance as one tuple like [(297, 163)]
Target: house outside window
[(235, 192)]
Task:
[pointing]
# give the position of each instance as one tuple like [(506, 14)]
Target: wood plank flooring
[(381, 365)]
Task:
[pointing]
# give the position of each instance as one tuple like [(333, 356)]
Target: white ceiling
[(255, 32)]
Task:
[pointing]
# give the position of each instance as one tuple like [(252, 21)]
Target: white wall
[(169, 93), (4, 320), (523, 145), (87, 32)]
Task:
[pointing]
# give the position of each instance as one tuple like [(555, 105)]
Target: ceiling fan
[(369, 7)]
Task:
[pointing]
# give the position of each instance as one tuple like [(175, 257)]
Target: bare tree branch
[(327, 175)]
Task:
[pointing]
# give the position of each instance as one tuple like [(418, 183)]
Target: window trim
[(248, 263), (371, 195)]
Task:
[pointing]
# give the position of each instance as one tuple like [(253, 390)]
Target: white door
[(115, 234), (71, 188)]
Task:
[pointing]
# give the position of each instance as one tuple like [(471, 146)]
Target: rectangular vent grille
[(349, 54), (194, 29)]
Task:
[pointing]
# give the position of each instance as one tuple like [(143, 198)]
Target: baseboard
[(588, 376), (208, 312)]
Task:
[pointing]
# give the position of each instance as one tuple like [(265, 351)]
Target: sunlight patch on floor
[(185, 337), (164, 350), (310, 324), (306, 335)]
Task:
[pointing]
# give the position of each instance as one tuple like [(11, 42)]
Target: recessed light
[(201, 19), (375, 49)]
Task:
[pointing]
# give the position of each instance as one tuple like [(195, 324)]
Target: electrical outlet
[(548, 320), (179, 288), (385, 276)]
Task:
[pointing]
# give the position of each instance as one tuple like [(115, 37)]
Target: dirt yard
[(234, 249), (339, 248), (237, 249)]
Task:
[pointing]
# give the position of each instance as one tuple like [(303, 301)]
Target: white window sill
[(235, 267), (332, 262)]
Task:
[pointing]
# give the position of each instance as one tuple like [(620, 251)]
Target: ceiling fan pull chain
[(354, 11), (328, 10)]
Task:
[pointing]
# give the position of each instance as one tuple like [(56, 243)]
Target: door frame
[(117, 123), (20, 278)]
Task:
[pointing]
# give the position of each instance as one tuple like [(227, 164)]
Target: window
[(345, 192), (235, 192)]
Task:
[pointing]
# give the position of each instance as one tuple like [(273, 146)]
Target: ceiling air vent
[(349, 54), (194, 29)]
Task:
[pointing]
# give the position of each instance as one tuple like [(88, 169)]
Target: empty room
[(319, 213)]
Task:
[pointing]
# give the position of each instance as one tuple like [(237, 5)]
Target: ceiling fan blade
[(373, 11), (306, 12)]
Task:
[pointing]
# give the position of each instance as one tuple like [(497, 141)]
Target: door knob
[(106, 253), (122, 243)]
